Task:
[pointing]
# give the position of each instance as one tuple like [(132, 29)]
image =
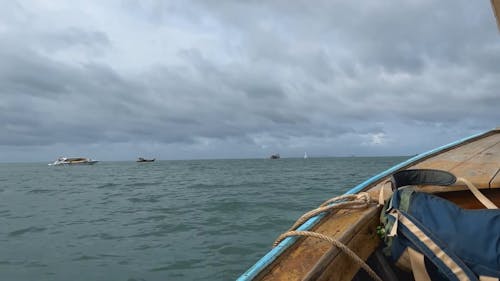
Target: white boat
[(73, 161)]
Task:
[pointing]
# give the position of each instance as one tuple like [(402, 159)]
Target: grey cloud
[(25, 73), (335, 76), (73, 36)]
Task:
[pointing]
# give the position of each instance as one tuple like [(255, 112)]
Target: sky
[(115, 80)]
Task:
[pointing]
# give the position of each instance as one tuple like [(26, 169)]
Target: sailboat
[(305, 155)]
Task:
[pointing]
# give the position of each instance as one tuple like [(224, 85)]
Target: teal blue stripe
[(276, 251)]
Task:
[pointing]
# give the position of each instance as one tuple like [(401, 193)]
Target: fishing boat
[(431, 217), (275, 156), (62, 161), (141, 160)]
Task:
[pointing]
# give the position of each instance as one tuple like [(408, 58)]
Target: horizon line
[(208, 159)]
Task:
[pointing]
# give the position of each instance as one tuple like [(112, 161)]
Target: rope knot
[(347, 201)]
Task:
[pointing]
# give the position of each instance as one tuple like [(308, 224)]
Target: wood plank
[(454, 157), (361, 238), (481, 169), (363, 244), (297, 261), (466, 200), (478, 161), (487, 149), (495, 181)]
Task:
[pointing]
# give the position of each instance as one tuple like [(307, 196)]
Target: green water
[(168, 220)]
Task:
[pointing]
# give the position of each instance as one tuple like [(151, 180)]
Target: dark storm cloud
[(206, 77), (25, 73)]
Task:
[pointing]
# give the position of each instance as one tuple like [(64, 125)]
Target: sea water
[(167, 220)]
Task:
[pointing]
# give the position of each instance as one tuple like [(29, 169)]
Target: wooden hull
[(476, 158)]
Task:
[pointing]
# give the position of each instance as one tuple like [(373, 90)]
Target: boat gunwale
[(284, 245)]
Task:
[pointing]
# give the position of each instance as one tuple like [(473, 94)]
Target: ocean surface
[(168, 220)]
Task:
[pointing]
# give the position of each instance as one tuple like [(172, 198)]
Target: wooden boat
[(140, 160), (476, 159)]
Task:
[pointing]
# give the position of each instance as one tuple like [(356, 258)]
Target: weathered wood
[(363, 244), (477, 161), (448, 159), (495, 181), (361, 238), (296, 262), (481, 168), (465, 199)]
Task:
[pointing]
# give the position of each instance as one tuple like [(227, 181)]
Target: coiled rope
[(349, 201)]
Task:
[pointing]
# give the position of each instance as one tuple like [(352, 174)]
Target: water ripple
[(146, 199), (30, 229)]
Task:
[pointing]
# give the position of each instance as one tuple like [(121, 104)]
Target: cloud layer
[(236, 79)]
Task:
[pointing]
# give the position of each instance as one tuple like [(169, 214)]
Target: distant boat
[(275, 156), (140, 160), (73, 161), (305, 155)]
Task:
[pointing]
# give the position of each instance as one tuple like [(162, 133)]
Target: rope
[(348, 201), (335, 242)]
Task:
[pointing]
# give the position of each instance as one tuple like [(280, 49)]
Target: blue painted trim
[(276, 251)]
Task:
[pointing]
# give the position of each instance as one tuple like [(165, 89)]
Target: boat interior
[(308, 258)]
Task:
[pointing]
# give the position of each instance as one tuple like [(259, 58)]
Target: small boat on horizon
[(141, 160), (73, 161), (275, 156)]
